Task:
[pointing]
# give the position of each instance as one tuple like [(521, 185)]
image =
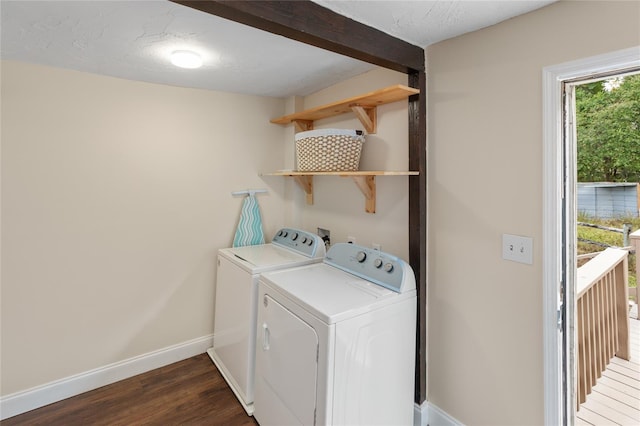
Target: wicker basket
[(329, 150)]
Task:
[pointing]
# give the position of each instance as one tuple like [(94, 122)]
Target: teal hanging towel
[(249, 231)]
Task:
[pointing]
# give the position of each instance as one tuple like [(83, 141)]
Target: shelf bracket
[(365, 181), (303, 125), (367, 116), (367, 185), (306, 183)]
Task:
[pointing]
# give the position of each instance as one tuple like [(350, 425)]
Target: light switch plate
[(517, 248)]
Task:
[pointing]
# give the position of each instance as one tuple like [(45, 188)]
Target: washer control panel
[(376, 266), (303, 242)]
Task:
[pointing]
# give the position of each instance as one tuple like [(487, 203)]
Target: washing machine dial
[(294, 236), (310, 242), (304, 240), (377, 263), (284, 234), (361, 256), (388, 267)]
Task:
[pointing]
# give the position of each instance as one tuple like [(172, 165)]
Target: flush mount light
[(186, 59)]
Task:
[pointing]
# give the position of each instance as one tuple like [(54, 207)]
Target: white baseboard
[(39, 396), (438, 417), (428, 414)]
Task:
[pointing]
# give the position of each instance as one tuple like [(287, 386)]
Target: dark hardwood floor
[(189, 392)]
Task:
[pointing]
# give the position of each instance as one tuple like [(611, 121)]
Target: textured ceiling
[(132, 40), (422, 22)]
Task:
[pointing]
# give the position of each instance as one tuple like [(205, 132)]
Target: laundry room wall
[(338, 203), (485, 165), (116, 196)]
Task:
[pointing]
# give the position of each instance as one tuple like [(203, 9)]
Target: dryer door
[(286, 367)]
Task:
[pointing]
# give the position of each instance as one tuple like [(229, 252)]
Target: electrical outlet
[(351, 240), (517, 248), (376, 246), (325, 234)]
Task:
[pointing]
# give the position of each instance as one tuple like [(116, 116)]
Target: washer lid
[(265, 257), (330, 294)]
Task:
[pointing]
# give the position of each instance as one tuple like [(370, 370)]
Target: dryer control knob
[(294, 236), (304, 240), (361, 256), (310, 242), (388, 267), (377, 263)]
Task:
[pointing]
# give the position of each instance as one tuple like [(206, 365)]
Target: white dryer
[(234, 330), (336, 341)]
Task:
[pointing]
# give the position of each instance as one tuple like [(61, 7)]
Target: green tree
[(608, 128)]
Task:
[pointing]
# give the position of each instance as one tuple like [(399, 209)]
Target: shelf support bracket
[(306, 183), (303, 125), (367, 185), (367, 116)]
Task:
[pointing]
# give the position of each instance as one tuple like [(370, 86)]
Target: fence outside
[(609, 199)]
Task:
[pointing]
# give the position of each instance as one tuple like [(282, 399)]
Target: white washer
[(336, 341), (234, 330)]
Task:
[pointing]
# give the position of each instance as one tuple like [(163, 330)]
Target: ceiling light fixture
[(186, 59)]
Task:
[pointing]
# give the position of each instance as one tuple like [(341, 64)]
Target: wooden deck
[(615, 399)]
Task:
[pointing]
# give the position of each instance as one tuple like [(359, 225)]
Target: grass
[(607, 237)]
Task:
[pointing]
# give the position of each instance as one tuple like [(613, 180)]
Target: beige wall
[(116, 195), (339, 205), (485, 362), (115, 198)]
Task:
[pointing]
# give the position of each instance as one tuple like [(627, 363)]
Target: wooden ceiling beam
[(313, 24)]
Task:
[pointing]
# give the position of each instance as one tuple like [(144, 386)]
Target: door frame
[(559, 197)]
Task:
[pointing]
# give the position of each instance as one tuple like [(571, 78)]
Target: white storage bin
[(329, 150)]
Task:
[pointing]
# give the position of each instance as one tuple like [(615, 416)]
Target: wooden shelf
[(365, 109), (365, 180), (363, 106)]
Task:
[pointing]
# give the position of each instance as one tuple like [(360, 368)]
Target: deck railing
[(634, 239), (602, 316)]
